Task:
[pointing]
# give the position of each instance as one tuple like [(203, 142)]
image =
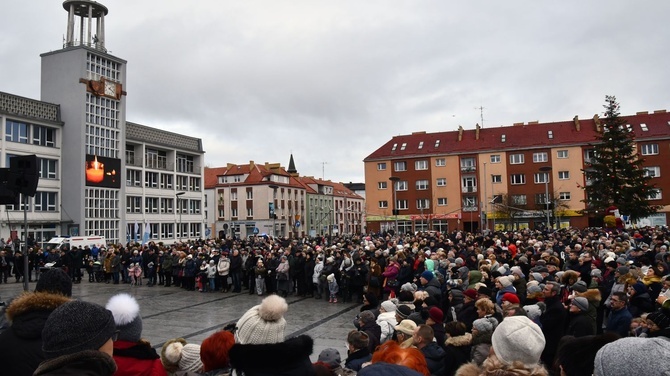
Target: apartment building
[(515, 176)]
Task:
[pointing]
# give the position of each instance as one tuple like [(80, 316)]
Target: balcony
[(468, 189), (132, 160), (468, 169)]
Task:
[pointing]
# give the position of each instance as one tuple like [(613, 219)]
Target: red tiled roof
[(212, 176), (530, 135)]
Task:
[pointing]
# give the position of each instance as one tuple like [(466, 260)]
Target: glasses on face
[(615, 301)]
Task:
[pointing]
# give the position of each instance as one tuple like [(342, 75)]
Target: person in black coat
[(21, 344), (580, 323), (457, 347), (553, 321), (368, 324), (468, 313), (236, 270)]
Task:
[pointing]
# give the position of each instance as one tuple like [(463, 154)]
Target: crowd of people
[(569, 302)]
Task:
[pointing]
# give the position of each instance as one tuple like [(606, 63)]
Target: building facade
[(520, 176), (86, 148)]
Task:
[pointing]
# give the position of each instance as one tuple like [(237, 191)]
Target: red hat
[(436, 314), (471, 293), (512, 298)]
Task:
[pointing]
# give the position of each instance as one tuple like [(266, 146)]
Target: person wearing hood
[(474, 277), (28, 314), (504, 285), (259, 335), (423, 340), (457, 347), (639, 300)]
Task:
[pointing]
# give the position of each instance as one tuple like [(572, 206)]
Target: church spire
[(291, 167)]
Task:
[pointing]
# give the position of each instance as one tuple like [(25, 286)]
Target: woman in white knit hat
[(261, 348)]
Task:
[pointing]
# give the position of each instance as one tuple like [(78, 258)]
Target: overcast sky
[(331, 81)]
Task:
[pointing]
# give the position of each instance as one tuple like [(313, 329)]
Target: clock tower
[(88, 83)]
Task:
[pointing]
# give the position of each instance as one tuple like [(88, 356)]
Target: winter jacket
[(190, 268), (374, 333), (619, 322), (387, 323), (21, 344), (553, 322), (224, 266), (457, 353), (580, 325), (318, 267), (481, 346), (356, 359), (137, 359), (290, 357), (387, 369), (211, 271), (435, 358), (83, 363), (433, 288), (468, 314)]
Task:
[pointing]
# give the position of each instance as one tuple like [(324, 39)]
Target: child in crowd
[(333, 288), (135, 271)]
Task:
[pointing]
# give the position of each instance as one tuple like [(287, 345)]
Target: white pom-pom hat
[(263, 323), (127, 317)]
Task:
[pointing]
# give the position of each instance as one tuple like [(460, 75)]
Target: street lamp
[(178, 195), (394, 180), (546, 169), (273, 211)]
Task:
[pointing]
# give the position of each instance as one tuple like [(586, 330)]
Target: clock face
[(110, 88)]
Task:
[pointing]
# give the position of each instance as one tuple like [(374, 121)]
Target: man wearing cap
[(404, 332), (580, 324), (431, 284)]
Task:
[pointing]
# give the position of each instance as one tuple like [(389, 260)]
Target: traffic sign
[(256, 231), (297, 223)]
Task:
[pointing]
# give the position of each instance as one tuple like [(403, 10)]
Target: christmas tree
[(614, 175)]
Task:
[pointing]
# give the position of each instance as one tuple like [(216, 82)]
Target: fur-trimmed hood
[(469, 369), (459, 341), (34, 301), (288, 357), (481, 338), (592, 295)]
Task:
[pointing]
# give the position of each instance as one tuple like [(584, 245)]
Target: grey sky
[(331, 81)]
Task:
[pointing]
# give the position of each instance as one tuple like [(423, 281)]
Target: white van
[(77, 241)]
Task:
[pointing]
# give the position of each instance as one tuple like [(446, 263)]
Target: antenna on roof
[(481, 114), (323, 170)]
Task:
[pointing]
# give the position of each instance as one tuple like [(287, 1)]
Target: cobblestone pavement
[(171, 312)]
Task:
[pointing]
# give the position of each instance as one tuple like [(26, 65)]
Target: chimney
[(251, 165), (533, 122), (229, 166), (577, 125), (517, 124), (477, 131), (660, 111), (460, 133), (596, 119), (642, 113)]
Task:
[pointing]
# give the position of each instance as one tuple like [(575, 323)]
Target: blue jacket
[(619, 322)]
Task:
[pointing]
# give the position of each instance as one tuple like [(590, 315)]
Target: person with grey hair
[(553, 320), (368, 324)]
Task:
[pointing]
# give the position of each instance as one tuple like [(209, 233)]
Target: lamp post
[(178, 195), (274, 209), (485, 202), (394, 180), (546, 169)]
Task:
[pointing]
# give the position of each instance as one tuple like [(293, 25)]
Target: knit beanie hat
[(505, 281), (403, 311), (534, 311), (622, 270), (510, 297), (263, 323), (408, 287), (389, 306), (76, 326), (579, 286), (55, 281), (331, 357), (659, 318), (470, 293), (537, 276), (427, 275), (534, 289), (485, 324), (127, 317), (214, 350), (633, 356), (581, 303), (517, 338), (596, 273), (436, 314), (177, 355)]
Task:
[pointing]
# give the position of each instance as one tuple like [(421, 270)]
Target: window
[(44, 136), (133, 204), (541, 177), (540, 199), (503, 138), (422, 203), (441, 201), (45, 201), (133, 178), (381, 166), (649, 149), (519, 199), (151, 179), (421, 185), (469, 184), (539, 157), (250, 194), (440, 162), (653, 172), (402, 205), (495, 158), (421, 165), (562, 154), (468, 164), (151, 204), (182, 183), (383, 204), (166, 181), (233, 195), (400, 166), (654, 194), (403, 146), (516, 159), (185, 163), (16, 132), (233, 212), (437, 143), (563, 175), (250, 212), (395, 146), (48, 168), (564, 196), (518, 179), (441, 182), (401, 185), (589, 155), (644, 127), (421, 145), (382, 185), (469, 203), (194, 184), (496, 179), (550, 134)]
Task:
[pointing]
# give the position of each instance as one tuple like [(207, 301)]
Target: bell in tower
[(86, 11)]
